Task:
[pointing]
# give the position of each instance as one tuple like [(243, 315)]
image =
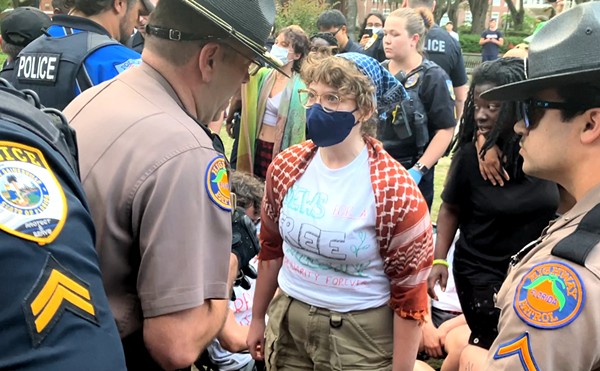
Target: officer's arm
[(233, 335), (177, 339), (460, 96), (437, 147)]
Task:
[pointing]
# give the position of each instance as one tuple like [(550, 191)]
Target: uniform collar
[(591, 199), (79, 23)]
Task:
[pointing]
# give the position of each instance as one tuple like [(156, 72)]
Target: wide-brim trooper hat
[(565, 51), (249, 22)]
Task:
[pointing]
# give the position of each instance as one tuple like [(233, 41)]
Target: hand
[(438, 274), (432, 341), (415, 174), (229, 123), (256, 339), (490, 166), (364, 40)]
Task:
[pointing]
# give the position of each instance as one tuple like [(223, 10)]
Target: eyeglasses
[(530, 106), (254, 65), (329, 101)]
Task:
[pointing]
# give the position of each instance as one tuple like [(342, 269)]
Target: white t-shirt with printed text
[(331, 255)]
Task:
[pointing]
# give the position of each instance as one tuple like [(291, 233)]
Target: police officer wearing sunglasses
[(157, 180), (549, 301)]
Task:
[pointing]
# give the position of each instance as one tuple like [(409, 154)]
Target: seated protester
[(495, 222), (20, 27), (416, 134), (225, 352), (324, 42), (334, 22), (354, 297), (82, 49)]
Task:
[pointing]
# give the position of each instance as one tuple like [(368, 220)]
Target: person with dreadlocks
[(495, 222)]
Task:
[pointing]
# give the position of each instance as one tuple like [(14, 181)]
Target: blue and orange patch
[(217, 183), (549, 296), (520, 347)]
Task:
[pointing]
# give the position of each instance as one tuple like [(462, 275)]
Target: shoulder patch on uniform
[(412, 80), (519, 346), (56, 290), (122, 67), (450, 89), (32, 202), (217, 183), (550, 295)]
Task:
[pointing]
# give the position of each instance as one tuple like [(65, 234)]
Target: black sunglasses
[(528, 108)]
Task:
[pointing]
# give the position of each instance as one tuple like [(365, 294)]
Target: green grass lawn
[(2, 58)]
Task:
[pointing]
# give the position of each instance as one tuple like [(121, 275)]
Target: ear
[(591, 130), (206, 61), (120, 6), (414, 40)]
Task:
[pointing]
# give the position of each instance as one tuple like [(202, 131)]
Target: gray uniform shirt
[(150, 174)]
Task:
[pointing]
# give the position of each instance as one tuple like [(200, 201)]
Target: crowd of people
[(130, 239)]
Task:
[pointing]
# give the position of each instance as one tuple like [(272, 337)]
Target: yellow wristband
[(441, 262)]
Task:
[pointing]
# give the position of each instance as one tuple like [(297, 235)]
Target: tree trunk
[(453, 11), (440, 8), (479, 10), (351, 14), (517, 15)]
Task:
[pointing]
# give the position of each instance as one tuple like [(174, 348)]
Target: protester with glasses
[(272, 118), (495, 222), (334, 22), (345, 235), (549, 300), (157, 178)]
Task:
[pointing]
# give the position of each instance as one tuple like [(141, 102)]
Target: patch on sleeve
[(412, 80), (521, 347), (450, 89), (55, 291), (217, 183), (549, 296), (122, 67), (32, 202)]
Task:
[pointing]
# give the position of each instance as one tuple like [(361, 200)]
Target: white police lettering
[(38, 67), (438, 46)]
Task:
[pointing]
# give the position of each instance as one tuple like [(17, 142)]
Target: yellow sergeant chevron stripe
[(57, 289)]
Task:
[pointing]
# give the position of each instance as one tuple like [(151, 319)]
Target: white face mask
[(376, 30), (280, 53)]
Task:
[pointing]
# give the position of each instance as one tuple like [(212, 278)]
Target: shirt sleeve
[(109, 61), (458, 75), (409, 256), (185, 234), (574, 346), (436, 95), (271, 243)]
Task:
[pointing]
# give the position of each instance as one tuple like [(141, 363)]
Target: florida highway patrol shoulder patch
[(217, 183)]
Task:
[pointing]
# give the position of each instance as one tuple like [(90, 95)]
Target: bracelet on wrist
[(441, 262)]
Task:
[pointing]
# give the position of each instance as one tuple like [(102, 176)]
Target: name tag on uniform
[(38, 67)]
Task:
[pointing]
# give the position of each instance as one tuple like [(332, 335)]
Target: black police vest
[(52, 66), (405, 133)]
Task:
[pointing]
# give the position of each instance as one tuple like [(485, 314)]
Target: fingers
[(256, 351), (444, 279)]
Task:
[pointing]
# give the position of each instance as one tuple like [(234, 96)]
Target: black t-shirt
[(435, 92), (490, 48), (495, 222), (445, 51), (351, 46)]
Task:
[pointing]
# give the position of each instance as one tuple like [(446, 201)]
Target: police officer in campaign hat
[(55, 314), (20, 27), (550, 299), (80, 50), (157, 179)]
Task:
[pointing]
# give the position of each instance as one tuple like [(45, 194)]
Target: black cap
[(23, 25)]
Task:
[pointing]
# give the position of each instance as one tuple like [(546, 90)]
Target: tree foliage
[(303, 13)]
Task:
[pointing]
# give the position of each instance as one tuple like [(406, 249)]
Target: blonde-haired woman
[(345, 235), (420, 143)]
